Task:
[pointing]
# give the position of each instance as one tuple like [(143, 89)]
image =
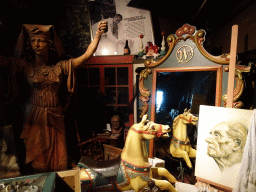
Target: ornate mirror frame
[(184, 46)]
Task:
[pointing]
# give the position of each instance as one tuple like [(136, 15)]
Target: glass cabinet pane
[(110, 76), (110, 95), (123, 95), (125, 113), (122, 76)]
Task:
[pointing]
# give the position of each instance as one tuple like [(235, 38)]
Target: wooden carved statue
[(131, 171), (39, 52)]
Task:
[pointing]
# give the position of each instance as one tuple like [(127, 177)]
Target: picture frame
[(210, 166), (124, 23)]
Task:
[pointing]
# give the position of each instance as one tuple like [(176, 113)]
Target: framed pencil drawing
[(222, 134)]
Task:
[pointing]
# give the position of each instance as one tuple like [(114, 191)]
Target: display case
[(68, 181), (40, 182)]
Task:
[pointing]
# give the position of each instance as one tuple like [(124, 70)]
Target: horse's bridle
[(158, 133), (190, 119), (174, 139)]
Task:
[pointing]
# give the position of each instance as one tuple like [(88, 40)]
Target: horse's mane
[(175, 121)]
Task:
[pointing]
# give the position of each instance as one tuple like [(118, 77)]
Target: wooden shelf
[(113, 59)]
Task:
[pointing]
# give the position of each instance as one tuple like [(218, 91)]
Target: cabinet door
[(111, 85)]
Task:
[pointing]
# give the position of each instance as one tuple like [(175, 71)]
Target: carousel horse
[(131, 171), (180, 145)]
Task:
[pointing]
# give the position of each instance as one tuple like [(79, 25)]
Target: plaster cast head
[(226, 143), (115, 122)]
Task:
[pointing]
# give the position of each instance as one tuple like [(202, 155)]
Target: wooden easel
[(230, 95), (232, 66)]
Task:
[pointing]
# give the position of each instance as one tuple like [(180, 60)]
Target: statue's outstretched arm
[(102, 28)]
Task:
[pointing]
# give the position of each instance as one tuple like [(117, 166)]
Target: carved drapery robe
[(44, 129)]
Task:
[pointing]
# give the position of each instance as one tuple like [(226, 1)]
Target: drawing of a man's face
[(226, 143), (219, 143)]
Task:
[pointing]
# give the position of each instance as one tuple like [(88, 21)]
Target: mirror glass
[(176, 89)]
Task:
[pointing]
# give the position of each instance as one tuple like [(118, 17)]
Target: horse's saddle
[(103, 174), (107, 169)]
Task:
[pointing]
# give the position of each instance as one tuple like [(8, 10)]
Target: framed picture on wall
[(222, 134), (125, 24)]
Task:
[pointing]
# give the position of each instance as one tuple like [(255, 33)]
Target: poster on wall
[(222, 134), (125, 23)]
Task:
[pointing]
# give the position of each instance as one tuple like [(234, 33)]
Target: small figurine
[(151, 50), (141, 51), (163, 51)]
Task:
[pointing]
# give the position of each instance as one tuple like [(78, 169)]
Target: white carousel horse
[(132, 171)]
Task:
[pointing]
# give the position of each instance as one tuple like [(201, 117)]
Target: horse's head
[(188, 118), (150, 130)]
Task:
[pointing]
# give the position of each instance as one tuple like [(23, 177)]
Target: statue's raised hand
[(102, 27)]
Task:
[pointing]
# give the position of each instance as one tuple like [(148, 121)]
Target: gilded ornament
[(200, 33), (239, 85), (170, 38)]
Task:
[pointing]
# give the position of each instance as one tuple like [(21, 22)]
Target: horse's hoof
[(151, 183)]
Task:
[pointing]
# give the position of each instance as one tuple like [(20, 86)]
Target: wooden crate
[(72, 178)]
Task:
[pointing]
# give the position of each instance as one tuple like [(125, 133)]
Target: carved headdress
[(31, 30)]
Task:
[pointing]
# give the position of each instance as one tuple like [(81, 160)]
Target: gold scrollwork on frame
[(145, 94), (239, 85)]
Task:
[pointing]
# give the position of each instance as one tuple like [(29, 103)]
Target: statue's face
[(39, 45), (220, 145)]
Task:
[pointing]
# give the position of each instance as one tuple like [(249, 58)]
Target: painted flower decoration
[(185, 29)]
